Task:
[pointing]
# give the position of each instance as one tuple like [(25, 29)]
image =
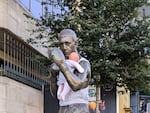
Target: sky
[(36, 7)]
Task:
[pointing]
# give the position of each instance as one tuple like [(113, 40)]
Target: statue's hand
[(56, 55), (57, 59)]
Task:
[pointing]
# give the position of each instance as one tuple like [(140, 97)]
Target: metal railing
[(18, 61)]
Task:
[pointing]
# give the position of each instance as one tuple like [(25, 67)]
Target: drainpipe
[(117, 100)]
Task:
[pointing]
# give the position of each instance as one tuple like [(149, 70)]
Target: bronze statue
[(78, 82)]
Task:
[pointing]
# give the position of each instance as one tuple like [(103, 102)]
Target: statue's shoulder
[(84, 60)]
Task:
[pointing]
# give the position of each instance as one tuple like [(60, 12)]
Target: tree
[(113, 38)]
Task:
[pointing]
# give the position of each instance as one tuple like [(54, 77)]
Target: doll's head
[(74, 56)]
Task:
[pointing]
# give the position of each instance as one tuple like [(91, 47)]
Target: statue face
[(67, 45)]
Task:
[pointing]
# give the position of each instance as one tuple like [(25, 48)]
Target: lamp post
[(97, 93)]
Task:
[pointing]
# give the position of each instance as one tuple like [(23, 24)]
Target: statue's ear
[(77, 41)]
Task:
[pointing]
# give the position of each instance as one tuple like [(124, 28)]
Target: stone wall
[(12, 17), (16, 97)]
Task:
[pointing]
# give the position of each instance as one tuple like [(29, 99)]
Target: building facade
[(23, 86)]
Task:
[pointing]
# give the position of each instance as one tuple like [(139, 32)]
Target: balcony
[(17, 61)]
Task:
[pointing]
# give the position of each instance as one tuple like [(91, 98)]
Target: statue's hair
[(68, 32)]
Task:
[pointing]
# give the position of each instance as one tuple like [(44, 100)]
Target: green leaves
[(113, 38)]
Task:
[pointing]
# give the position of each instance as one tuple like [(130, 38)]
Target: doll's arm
[(75, 65)]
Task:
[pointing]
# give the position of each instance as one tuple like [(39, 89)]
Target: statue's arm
[(53, 79), (79, 80)]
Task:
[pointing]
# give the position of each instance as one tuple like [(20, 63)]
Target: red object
[(102, 105), (74, 56)]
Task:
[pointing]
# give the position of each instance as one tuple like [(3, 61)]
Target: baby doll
[(64, 88)]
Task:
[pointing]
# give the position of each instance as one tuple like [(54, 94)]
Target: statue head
[(67, 41), (68, 32)]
